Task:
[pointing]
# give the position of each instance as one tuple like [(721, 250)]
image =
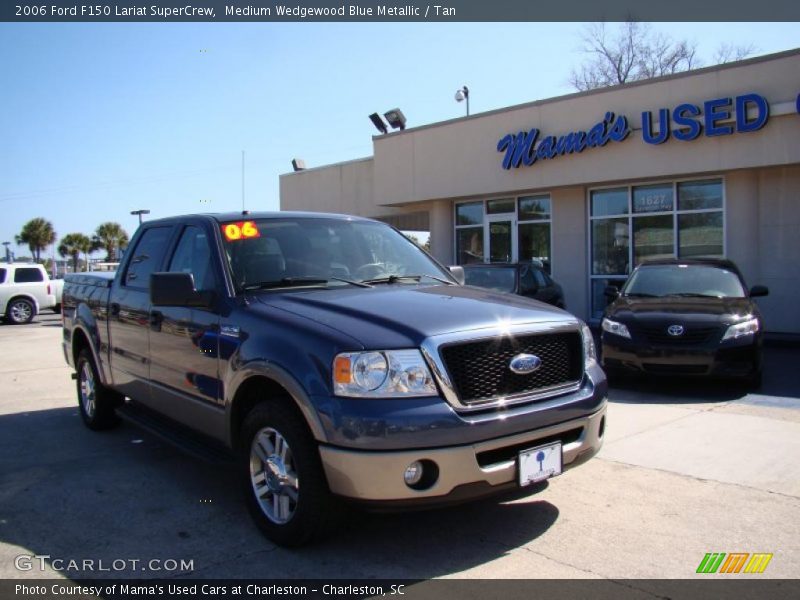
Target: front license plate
[(538, 464)]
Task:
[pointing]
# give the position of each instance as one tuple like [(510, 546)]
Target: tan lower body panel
[(379, 475)]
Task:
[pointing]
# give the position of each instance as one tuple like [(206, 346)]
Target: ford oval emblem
[(523, 364), (675, 330)]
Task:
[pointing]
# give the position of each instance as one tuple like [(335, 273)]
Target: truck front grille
[(480, 371)]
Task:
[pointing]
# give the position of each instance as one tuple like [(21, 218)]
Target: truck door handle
[(115, 309)]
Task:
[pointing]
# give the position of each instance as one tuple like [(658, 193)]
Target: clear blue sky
[(99, 119)]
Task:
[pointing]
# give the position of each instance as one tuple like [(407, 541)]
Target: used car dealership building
[(704, 163)]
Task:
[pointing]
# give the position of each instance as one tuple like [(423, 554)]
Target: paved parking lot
[(686, 469)]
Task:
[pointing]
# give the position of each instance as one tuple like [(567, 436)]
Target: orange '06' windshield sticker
[(241, 230)]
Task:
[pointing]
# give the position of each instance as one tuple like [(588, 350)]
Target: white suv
[(25, 290)]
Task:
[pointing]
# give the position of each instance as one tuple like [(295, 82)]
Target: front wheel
[(96, 402), (284, 483), (20, 311)]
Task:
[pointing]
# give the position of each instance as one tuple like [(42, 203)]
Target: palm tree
[(111, 237), (72, 245), (38, 234)]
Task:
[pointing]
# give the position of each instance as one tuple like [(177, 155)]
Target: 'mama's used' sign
[(711, 118)]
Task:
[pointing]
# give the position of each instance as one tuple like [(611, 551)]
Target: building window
[(635, 223), (503, 230), (469, 233), (533, 215)]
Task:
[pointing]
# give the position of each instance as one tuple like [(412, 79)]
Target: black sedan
[(684, 317), (524, 279)]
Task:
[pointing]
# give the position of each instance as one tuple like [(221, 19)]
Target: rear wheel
[(284, 483), (20, 311), (97, 403)]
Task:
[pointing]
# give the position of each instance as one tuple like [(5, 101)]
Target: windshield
[(684, 280), (336, 252), (494, 278)]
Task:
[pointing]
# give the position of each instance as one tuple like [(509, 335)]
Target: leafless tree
[(731, 52), (631, 53)]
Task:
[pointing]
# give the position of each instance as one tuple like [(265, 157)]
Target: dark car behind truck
[(335, 360)]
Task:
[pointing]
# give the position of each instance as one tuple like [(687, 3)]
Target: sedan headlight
[(382, 374), (616, 328), (589, 350), (734, 332)]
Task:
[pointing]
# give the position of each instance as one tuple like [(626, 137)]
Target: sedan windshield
[(320, 252), (684, 280), (500, 279)]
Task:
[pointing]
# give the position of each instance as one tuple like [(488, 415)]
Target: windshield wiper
[(396, 278), (300, 281), (642, 295)]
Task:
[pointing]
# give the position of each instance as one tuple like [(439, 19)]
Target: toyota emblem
[(675, 330)]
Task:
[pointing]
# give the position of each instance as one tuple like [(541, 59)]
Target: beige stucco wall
[(459, 158)]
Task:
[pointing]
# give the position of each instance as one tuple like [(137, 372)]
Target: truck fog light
[(413, 474)]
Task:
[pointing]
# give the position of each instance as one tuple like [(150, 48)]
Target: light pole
[(463, 94), (140, 212), (8, 252)]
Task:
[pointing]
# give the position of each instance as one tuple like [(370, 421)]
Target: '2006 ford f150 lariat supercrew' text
[(335, 360)]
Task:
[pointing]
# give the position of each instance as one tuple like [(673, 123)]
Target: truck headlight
[(748, 327), (589, 351), (382, 374), (616, 328)]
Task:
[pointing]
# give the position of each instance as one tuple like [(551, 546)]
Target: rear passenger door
[(30, 281), (184, 341), (129, 313)]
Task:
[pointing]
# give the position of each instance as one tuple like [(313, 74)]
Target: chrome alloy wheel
[(88, 389), (21, 311), (273, 477)]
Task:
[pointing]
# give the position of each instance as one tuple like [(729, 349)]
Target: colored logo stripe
[(758, 562), (734, 562), (710, 562)]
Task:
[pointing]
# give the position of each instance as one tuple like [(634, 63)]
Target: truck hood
[(402, 316)]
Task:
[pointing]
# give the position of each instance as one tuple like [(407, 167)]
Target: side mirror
[(458, 273), (611, 292), (759, 290), (177, 289)]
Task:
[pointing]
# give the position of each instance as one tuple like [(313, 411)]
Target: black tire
[(311, 509), (57, 308), (20, 311), (754, 381), (96, 402)]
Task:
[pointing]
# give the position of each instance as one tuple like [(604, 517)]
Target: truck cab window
[(193, 255), (147, 257)]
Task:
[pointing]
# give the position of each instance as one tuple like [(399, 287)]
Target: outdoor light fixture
[(140, 212), (463, 94), (396, 118), (298, 164), (378, 122)]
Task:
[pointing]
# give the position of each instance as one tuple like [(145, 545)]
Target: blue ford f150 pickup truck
[(334, 359)]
